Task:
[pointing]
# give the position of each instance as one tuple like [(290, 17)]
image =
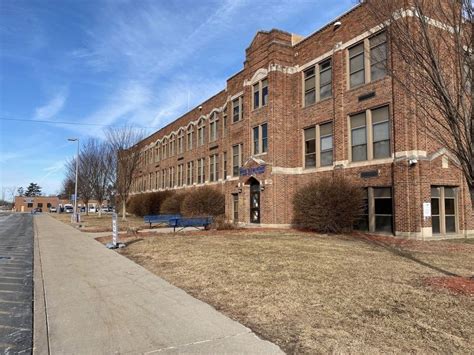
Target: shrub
[(145, 204), (204, 201), (329, 205), (172, 204), (221, 224)]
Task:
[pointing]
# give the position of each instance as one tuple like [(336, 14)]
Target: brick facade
[(281, 59)]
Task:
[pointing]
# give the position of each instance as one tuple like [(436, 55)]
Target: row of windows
[(367, 61), (369, 139), (193, 171)]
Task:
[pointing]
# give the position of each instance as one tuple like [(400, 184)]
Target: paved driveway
[(16, 283)]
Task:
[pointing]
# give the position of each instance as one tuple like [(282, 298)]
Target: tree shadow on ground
[(397, 249)]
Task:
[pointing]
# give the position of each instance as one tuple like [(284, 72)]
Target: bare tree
[(432, 60), (95, 155), (123, 156), (84, 186)]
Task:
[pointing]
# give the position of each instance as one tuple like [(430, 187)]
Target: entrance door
[(255, 202)]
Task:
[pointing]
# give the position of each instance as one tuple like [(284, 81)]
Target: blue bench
[(160, 218), (183, 222)]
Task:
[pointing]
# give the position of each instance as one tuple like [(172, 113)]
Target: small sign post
[(426, 210), (115, 236)]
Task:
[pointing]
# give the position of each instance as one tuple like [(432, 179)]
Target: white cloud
[(53, 107)]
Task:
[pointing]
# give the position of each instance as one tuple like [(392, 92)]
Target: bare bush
[(329, 205), (172, 204), (204, 201)]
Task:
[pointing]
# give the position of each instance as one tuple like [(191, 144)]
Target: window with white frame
[(370, 134), (317, 82), (214, 167), (260, 139), (164, 149), (180, 141), (157, 152), (201, 130), (224, 165), (368, 60), (236, 159), (443, 209), (224, 120), (171, 177), (213, 127), (201, 177), (318, 145), (180, 179), (172, 145), (237, 109), (260, 94), (190, 173), (189, 137), (163, 178)]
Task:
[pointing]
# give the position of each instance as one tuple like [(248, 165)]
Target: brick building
[(307, 107), (43, 203)]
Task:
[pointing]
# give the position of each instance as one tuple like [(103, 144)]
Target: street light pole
[(77, 168)]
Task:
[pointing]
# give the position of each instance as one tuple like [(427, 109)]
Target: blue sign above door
[(252, 171)]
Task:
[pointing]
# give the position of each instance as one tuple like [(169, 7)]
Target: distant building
[(302, 108), (27, 204)]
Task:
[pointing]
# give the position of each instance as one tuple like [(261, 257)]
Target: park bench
[(160, 218), (183, 222)]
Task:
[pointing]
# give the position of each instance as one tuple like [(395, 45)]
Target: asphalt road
[(16, 283)]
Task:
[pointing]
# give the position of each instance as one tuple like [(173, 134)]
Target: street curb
[(40, 320)]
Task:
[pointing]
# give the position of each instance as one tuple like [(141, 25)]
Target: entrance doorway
[(254, 201)]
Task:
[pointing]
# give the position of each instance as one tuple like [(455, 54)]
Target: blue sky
[(119, 62)]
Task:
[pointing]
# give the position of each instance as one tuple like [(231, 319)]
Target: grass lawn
[(94, 223), (318, 294)]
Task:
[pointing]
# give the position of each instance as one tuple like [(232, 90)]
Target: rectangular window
[(237, 109), (378, 56), (40, 204), (264, 92), (381, 132), (172, 146), (325, 144), (443, 210), (260, 139), (213, 168), (201, 169), (310, 147), (224, 121), (189, 175), (318, 146), (383, 209), (325, 79), (201, 134), (377, 215), (236, 159), (171, 177), (180, 143), (163, 178), (309, 86), (180, 175), (260, 94), (213, 128), (235, 207), (371, 52), (224, 165), (189, 142), (356, 65), (359, 137), (29, 205), (373, 145)]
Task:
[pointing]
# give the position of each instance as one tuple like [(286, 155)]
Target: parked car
[(68, 208), (53, 209), (93, 209)]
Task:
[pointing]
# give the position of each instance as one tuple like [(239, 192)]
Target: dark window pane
[(255, 99), (435, 192), (359, 153), (449, 191), (383, 206), (449, 206), (310, 98), (434, 206), (310, 160), (326, 158), (382, 192), (309, 84), (383, 224), (362, 224), (310, 146), (435, 224), (325, 77), (382, 149), (450, 224), (357, 78), (264, 95), (326, 91)]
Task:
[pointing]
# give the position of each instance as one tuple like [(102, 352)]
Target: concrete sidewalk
[(98, 302)]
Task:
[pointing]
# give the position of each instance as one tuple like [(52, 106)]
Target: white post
[(76, 219)]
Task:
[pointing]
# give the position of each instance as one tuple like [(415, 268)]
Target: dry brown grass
[(319, 294), (94, 223)]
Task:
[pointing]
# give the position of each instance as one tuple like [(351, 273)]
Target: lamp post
[(75, 185)]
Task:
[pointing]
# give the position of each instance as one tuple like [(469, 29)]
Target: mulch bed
[(454, 284)]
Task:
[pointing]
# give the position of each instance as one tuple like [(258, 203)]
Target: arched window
[(189, 137), (201, 130), (181, 141), (213, 127)]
